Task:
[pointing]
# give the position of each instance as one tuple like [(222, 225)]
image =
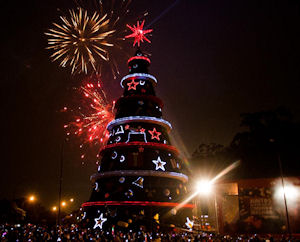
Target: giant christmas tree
[(141, 180)]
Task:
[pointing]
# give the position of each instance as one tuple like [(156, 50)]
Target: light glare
[(204, 187), (31, 198), (290, 191)]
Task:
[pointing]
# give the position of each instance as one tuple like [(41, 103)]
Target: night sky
[(213, 60)]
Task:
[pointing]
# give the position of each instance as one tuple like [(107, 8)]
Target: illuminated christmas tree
[(141, 180)]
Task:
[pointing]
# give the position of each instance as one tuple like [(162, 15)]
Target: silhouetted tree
[(269, 135)]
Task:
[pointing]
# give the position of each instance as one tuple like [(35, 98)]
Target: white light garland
[(138, 119), (139, 76), (176, 175)]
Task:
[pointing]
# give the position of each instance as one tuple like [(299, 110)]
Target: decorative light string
[(176, 175), (136, 203), (138, 76), (139, 58), (139, 119)]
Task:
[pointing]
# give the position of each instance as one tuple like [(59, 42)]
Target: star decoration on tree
[(154, 134), (132, 85), (138, 33), (189, 223), (99, 221), (159, 164)]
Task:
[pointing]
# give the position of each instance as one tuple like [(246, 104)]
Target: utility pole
[(283, 188), (284, 196)]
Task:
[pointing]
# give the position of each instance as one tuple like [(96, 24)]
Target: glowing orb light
[(204, 187)]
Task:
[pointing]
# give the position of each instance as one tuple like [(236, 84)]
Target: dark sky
[(213, 60)]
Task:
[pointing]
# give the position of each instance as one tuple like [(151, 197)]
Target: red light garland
[(133, 119), (136, 203), (139, 58)]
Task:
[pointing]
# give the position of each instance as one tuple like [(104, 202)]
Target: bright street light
[(63, 204), (31, 198), (290, 191), (54, 208), (204, 187)]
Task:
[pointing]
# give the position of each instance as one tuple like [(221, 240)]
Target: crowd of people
[(30, 232)]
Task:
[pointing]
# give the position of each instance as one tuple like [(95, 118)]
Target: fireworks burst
[(80, 40), (119, 14), (91, 117), (93, 43)]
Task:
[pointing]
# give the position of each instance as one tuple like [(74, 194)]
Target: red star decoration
[(138, 33), (132, 85), (154, 134), (127, 126), (142, 130)]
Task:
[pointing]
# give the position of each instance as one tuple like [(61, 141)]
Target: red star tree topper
[(138, 33)]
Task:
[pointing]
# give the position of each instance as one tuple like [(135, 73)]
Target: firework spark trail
[(80, 41), (119, 14), (91, 117), (93, 43)]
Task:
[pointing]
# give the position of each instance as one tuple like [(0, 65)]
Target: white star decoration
[(99, 221), (159, 164), (189, 223)]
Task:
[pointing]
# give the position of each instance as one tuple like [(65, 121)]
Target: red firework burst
[(91, 117)]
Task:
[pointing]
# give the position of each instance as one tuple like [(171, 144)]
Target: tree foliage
[(267, 137)]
